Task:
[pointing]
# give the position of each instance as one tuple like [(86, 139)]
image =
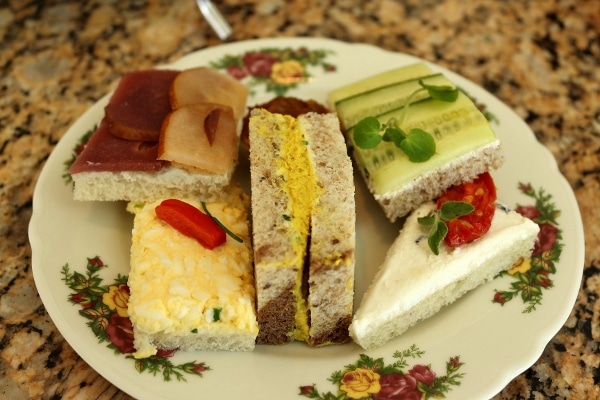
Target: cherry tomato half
[(481, 194)]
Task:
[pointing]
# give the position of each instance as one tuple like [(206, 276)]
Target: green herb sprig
[(221, 225), (417, 144), (217, 314), (438, 219)]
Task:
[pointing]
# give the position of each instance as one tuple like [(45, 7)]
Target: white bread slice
[(413, 284), (332, 231), (149, 186), (185, 296)]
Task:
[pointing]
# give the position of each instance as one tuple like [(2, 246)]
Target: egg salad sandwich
[(413, 134), (189, 294), (303, 217), (164, 133)]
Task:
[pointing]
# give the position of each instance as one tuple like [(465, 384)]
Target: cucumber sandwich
[(413, 134)]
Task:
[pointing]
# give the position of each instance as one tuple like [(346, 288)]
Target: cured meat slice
[(139, 104), (206, 85), (200, 137), (106, 152)]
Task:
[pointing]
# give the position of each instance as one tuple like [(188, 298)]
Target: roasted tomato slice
[(481, 194), (191, 222)]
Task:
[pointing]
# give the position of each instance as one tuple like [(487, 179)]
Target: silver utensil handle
[(214, 18)]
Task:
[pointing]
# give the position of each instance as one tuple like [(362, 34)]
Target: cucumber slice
[(382, 99), (458, 128), (385, 78)]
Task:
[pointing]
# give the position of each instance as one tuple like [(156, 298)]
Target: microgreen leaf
[(366, 133), (394, 135), (436, 235), (437, 221), (454, 209), (419, 145), (426, 221), (441, 92)]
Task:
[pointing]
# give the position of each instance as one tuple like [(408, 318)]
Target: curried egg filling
[(293, 167)]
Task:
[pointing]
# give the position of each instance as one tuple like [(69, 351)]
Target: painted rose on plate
[(361, 382), (371, 378), (105, 308), (277, 69), (530, 277)]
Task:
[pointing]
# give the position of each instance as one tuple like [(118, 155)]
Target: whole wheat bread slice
[(302, 184), (332, 231)]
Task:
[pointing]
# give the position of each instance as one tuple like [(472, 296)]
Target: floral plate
[(471, 349)]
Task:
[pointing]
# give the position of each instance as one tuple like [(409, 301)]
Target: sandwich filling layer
[(281, 199)]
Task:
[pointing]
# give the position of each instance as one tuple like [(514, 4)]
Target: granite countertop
[(58, 58)]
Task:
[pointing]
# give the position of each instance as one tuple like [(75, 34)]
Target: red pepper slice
[(481, 194), (191, 222)]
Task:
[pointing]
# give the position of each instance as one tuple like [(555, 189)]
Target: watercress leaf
[(394, 135), (441, 92), (418, 145), (429, 87), (449, 95), (386, 137), (436, 235), (454, 209), (426, 221), (366, 133)]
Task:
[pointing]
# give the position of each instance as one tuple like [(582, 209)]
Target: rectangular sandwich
[(164, 133), (186, 296), (413, 100), (303, 215)]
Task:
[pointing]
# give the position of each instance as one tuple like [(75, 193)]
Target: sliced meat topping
[(139, 104), (106, 152)]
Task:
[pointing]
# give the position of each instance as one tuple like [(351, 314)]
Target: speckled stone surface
[(57, 58)]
